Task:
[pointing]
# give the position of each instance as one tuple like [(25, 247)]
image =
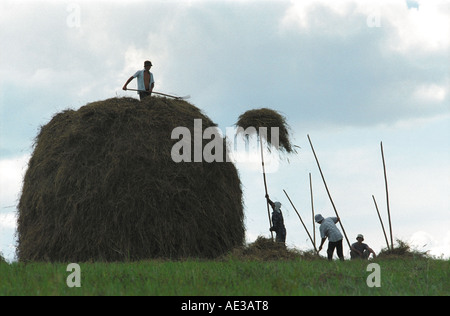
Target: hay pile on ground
[(268, 118), (101, 186), (264, 249), (402, 251)]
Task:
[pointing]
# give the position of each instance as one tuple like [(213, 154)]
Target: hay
[(264, 249), (268, 118), (402, 251), (101, 186)]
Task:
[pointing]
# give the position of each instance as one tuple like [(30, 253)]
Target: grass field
[(229, 277)]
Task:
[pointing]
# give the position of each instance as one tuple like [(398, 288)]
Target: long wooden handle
[(381, 221), (310, 238), (387, 196), (312, 209), (159, 93), (328, 191), (265, 183)]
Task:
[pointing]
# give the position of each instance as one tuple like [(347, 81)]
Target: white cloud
[(11, 175), (8, 221), (436, 245), (431, 92), (230, 54), (372, 74), (12, 171), (425, 29), (328, 17)]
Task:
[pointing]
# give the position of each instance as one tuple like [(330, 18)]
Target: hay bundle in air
[(268, 118), (265, 119), (101, 185)]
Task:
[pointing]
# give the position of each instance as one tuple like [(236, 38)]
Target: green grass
[(229, 278)]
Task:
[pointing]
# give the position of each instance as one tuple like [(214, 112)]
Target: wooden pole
[(312, 209), (387, 196), (265, 183), (381, 221), (163, 94), (301, 220), (328, 192)]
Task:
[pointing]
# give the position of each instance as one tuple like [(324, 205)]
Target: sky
[(348, 73)]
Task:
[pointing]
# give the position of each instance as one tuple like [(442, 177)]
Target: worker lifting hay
[(265, 122)]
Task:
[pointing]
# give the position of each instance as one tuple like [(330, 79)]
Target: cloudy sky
[(349, 73)]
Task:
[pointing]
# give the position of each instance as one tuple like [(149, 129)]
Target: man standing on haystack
[(328, 229), (145, 81), (277, 221)]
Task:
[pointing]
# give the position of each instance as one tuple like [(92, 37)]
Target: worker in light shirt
[(145, 81), (328, 229)]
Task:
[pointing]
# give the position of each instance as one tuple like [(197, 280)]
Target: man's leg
[(366, 254), (339, 250), (283, 235), (280, 237), (330, 251)]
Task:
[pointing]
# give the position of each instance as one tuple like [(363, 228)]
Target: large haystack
[(101, 185)]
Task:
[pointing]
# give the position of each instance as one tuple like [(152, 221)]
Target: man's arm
[(270, 201), (372, 252), (126, 83), (321, 244)]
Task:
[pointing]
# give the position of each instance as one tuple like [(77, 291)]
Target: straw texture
[(268, 118), (101, 186)]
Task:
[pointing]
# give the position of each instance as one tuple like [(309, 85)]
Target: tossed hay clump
[(268, 118), (101, 185), (260, 122)]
